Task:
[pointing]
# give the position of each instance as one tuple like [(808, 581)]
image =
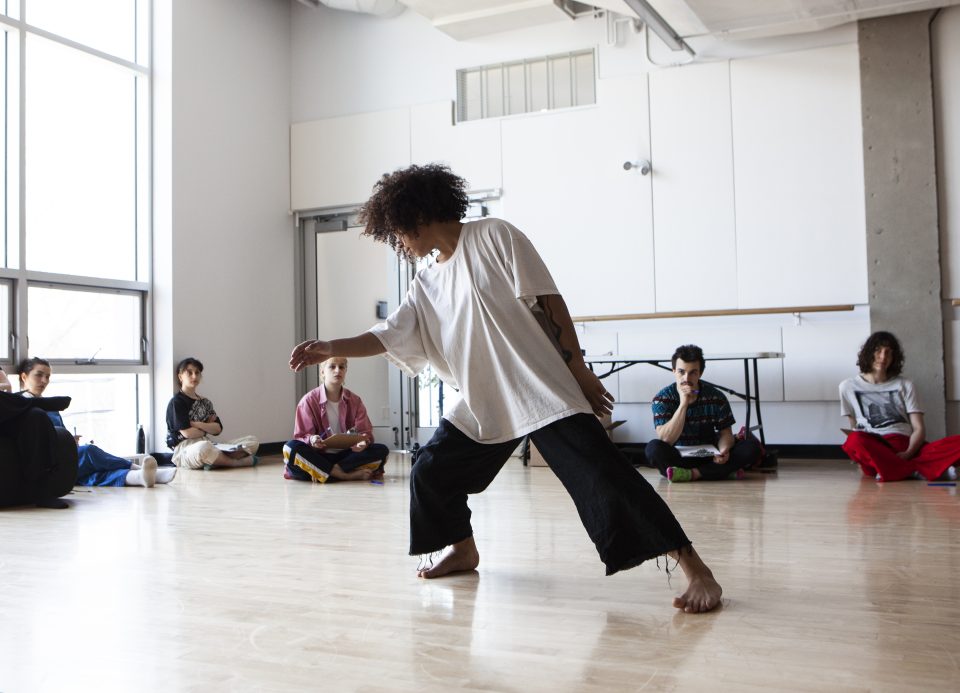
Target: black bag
[(768, 458)]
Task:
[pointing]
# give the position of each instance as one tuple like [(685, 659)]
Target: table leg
[(756, 381)]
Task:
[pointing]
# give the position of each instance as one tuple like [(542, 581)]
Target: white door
[(353, 275)]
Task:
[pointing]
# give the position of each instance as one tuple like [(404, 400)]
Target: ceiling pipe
[(653, 20)]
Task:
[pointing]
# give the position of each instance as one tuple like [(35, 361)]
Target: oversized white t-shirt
[(882, 408), (470, 318)]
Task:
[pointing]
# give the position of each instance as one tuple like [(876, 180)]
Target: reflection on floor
[(239, 580)]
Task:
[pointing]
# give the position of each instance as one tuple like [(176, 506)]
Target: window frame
[(19, 278)]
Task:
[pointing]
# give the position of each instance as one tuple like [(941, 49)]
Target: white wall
[(945, 36), (398, 63), (345, 64), (223, 258)]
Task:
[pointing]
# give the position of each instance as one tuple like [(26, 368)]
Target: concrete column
[(900, 176)]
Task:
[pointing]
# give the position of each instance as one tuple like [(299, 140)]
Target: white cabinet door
[(471, 149), (335, 162), (821, 353), (798, 174), (564, 186), (693, 217)]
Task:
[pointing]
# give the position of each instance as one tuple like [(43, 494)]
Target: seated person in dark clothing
[(693, 414), (96, 467), (37, 473)]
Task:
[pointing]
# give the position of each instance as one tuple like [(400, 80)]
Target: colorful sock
[(738, 475), (677, 474)]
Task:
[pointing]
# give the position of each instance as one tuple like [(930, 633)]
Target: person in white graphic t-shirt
[(886, 434)]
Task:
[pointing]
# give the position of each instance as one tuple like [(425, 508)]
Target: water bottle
[(141, 440)]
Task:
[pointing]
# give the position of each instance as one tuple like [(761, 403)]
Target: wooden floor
[(241, 581)]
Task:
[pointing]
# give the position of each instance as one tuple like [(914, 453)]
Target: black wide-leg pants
[(622, 513)]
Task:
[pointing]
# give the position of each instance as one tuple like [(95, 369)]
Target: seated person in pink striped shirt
[(325, 411)]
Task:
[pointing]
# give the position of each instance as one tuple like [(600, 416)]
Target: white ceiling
[(730, 19)]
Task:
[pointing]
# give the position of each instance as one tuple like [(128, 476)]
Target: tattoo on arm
[(557, 331)]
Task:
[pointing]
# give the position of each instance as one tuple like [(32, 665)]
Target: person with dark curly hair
[(886, 430), (487, 316)]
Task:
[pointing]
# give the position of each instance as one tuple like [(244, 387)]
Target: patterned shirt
[(706, 417), (181, 411)]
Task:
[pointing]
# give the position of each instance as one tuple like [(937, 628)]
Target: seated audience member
[(4, 382), (191, 418), (95, 467), (36, 472), (886, 436), (691, 412), (325, 411)]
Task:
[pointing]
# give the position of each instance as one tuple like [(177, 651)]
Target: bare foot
[(703, 591), (356, 475), (460, 557), (231, 460)]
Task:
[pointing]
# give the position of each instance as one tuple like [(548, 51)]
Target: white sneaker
[(952, 473)]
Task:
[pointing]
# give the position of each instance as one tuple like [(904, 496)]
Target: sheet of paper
[(697, 450)]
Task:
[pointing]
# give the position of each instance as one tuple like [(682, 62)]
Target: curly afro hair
[(411, 197), (869, 348)]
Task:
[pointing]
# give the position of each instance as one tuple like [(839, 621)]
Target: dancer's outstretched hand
[(309, 353), (600, 400)]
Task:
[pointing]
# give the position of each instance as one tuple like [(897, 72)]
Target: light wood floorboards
[(238, 580)]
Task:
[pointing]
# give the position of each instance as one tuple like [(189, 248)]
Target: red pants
[(878, 455)]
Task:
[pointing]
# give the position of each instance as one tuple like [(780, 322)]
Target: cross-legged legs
[(305, 463), (663, 456), (877, 455)]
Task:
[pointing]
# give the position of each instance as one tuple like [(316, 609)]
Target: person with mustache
[(691, 412)]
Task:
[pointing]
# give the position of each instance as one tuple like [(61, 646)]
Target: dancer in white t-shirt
[(488, 318)]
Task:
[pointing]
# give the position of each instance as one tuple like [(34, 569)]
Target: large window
[(74, 206)]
